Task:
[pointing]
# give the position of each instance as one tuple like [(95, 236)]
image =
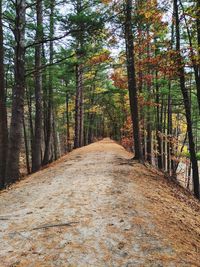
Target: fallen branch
[(53, 225), (4, 219)]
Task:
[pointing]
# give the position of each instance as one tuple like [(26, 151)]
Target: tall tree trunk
[(170, 149), (197, 68), (44, 96), (47, 151), (3, 111), (149, 119), (68, 123), (15, 136), (37, 141), (81, 141), (79, 123), (56, 148), (159, 125), (164, 131), (26, 147), (187, 105), (195, 63), (133, 97), (77, 108), (29, 103)]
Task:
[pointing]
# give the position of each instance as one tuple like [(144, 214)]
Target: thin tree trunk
[(68, 123), (3, 111), (55, 138), (163, 120), (29, 103), (37, 141), (79, 111), (170, 148), (47, 151), (197, 71), (159, 123), (77, 108), (45, 96), (149, 119), (81, 141), (26, 148)]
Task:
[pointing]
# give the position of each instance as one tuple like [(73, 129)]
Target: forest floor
[(96, 207)]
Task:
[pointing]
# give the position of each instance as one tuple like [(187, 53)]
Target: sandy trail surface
[(95, 207)]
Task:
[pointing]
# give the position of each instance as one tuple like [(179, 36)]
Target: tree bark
[(3, 111), (15, 136), (170, 148), (26, 147), (56, 148), (133, 97), (159, 125), (37, 141), (149, 119), (68, 123), (197, 68), (47, 157), (195, 63), (77, 109), (78, 141), (187, 105)]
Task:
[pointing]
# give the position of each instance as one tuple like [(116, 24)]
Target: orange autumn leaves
[(119, 79), (103, 57)]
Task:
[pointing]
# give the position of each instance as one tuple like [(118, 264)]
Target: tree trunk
[(47, 157), (133, 98), (68, 123), (15, 136), (195, 63), (159, 126), (3, 111), (79, 123), (77, 109), (163, 121), (187, 105), (81, 141), (197, 71), (37, 141), (56, 148), (26, 148), (149, 119), (29, 103), (170, 149)]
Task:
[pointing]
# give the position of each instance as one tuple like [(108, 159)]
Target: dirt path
[(96, 208)]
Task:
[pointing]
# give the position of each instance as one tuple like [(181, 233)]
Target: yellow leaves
[(184, 149), (89, 75), (62, 109), (148, 14), (99, 90), (181, 122), (95, 109)]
